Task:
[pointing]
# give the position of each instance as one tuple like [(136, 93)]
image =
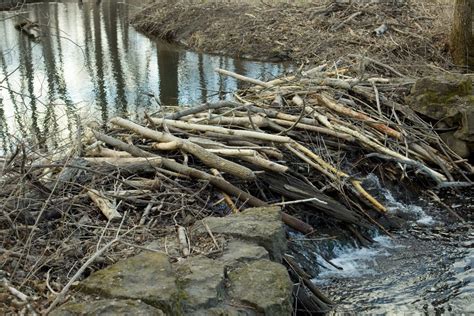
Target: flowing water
[(88, 62), (426, 268)]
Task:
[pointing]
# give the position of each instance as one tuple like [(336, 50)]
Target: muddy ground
[(415, 40)]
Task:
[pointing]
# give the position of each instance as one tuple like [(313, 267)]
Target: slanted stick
[(202, 108), (356, 183), (105, 206), (243, 78), (209, 159), (222, 130), (227, 198), (341, 109), (218, 182)]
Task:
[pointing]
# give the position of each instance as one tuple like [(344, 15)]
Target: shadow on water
[(89, 62)]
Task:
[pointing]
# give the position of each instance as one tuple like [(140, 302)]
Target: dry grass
[(307, 32)]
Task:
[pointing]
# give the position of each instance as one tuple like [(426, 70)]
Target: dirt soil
[(416, 39)]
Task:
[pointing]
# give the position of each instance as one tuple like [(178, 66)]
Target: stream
[(89, 64)]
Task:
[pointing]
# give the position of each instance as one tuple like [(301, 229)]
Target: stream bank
[(307, 32)]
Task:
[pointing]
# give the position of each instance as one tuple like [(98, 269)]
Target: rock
[(457, 145), (202, 281), (147, 277), (107, 308), (261, 225), (264, 285), (466, 131), (438, 97), (238, 252), (224, 311)]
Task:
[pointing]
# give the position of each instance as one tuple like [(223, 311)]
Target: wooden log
[(265, 164), (243, 78), (341, 109), (227, 198), (222, 130), (99, 151), (105, 206), (206, 157), (202, 108), (183, 241)]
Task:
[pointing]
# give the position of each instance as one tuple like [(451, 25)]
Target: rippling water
[(426, 268), (89, 62)]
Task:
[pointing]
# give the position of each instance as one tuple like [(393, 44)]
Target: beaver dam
[(310, 144), (139, 178)]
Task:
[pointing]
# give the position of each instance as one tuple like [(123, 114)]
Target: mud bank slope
[(411, 35)]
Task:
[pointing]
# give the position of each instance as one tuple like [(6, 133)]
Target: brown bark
[(462, 40)]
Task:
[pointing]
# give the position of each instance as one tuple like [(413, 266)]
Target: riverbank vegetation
[(413, 36)]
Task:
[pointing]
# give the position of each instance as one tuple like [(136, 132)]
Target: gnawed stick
[(223, 130), (183, 241), (105, 206), (206, 157), (227, 198), (356, 183), (201, 108), (243, 78), (341, 109), (257, 160)]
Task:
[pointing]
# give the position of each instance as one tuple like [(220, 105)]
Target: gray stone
[(261, 225), (202, 282), (264, 285), (238, 252), (107, 308), (147, 277), (466, 131), (225, 311), (438, 97), (457, 145)]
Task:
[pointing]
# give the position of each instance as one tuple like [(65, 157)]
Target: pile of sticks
[(305, 142), (275, 127)]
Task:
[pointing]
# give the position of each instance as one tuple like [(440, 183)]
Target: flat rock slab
[(202, 281), (238, 252), (107, 308), (261, 225), (264, 285), (147, 277)]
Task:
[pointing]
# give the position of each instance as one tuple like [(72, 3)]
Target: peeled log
[(208, 158)]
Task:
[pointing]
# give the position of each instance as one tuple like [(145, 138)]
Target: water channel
[(88, 63)]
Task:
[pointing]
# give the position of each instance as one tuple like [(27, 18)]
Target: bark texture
[(462, 40)]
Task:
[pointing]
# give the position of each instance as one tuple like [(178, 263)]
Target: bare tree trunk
[(462, 40)]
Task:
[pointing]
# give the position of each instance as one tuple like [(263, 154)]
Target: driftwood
[(105, 206), (214, 180), (206, 157)]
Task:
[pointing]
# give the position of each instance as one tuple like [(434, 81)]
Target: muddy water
[(89, 62)]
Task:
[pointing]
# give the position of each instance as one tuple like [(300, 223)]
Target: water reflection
[(88, 61)]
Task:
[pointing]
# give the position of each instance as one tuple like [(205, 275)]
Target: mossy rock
[(147, 277), (261, 225), (264, 285), (107, 308), (202, 282), (440, 97)]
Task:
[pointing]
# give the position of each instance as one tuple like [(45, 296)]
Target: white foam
[(355, 262), (394, 206)]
